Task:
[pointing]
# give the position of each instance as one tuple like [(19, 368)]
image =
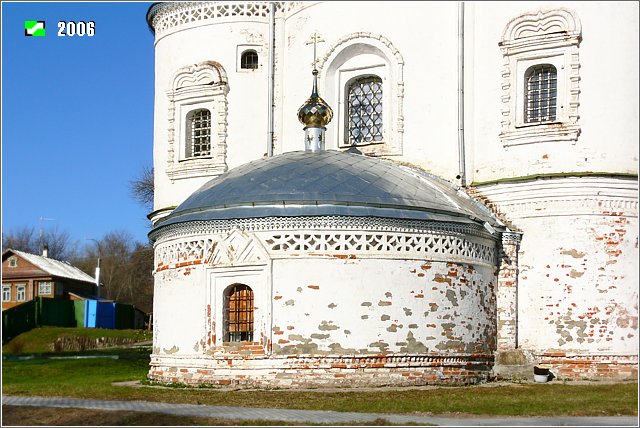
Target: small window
[(249, 60), (44, 287), (541, 93), (6, 292), (13, 261), (21, 292), (198, 141), (238, 308), (364, 112)]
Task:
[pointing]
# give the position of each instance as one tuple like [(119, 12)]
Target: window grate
[(249, 60), (239, 314), (541, 94), (199, 133), (365, 110)]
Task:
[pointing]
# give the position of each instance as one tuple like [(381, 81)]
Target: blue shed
[(100, 314)]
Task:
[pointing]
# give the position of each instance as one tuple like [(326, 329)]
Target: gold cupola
[(315, 114)]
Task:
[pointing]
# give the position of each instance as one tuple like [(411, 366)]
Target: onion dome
[(315, 112)]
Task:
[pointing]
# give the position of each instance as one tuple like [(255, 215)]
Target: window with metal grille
[(249, 60), (238, 308), (541, 93), (198, 133), (364, 112)]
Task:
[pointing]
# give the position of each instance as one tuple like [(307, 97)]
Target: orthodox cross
[(315, 39)]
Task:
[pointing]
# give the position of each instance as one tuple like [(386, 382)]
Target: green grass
[(92, 378), (39, 340)]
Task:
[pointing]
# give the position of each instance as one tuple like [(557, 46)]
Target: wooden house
[(26, 276)]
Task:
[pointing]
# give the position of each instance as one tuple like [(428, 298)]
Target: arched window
[(541, 93), (540, 77), (249, 60), (238, 314), (364, 110), (198, 138)]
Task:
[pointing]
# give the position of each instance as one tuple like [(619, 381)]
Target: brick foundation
[(590, 367), (324, 371)]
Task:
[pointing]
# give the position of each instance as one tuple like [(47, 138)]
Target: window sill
[(541, 133), (533, 124), (195, 158), (208, 166)]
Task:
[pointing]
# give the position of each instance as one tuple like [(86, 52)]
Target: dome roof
[(329, 182)]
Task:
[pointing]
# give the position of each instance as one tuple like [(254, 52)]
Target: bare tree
[(125, 268), (60, 246), (141, 187)]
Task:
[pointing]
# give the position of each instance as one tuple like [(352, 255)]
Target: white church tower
[(528, 107)]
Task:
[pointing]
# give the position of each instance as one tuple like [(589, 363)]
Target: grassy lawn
[(92, 378)]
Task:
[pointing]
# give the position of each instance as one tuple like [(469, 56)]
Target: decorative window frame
[(336, 73), (541, 37), (21, 292), (13, 261), (199, 86), (6, 292)]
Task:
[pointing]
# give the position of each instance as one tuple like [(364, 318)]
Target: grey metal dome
[(328, 182)]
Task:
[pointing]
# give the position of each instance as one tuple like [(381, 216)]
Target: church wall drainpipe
[(272, 60), (462, 167)]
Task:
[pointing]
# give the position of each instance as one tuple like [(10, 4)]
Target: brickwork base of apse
[(318, 372)]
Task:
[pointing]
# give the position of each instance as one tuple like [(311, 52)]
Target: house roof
[(54, 267)]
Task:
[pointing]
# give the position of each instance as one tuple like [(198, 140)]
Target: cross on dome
[(315, 39)]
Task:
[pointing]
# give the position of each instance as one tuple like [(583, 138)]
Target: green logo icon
[(34, 28)]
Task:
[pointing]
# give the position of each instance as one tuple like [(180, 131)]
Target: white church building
[(457, 199)]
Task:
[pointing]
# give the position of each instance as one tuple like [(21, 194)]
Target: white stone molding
[(381, 245), (230, 246), (202, 85), (389, 66), (541, 37), (170, 17), (564, 196), (236, 248), (507, 292), (321, 223)]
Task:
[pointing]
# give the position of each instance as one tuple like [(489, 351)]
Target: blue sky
[(77, 118)]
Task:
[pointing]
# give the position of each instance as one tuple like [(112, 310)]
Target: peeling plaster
[(573, 253), (327, 325), (172, 350), (451, 296)]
